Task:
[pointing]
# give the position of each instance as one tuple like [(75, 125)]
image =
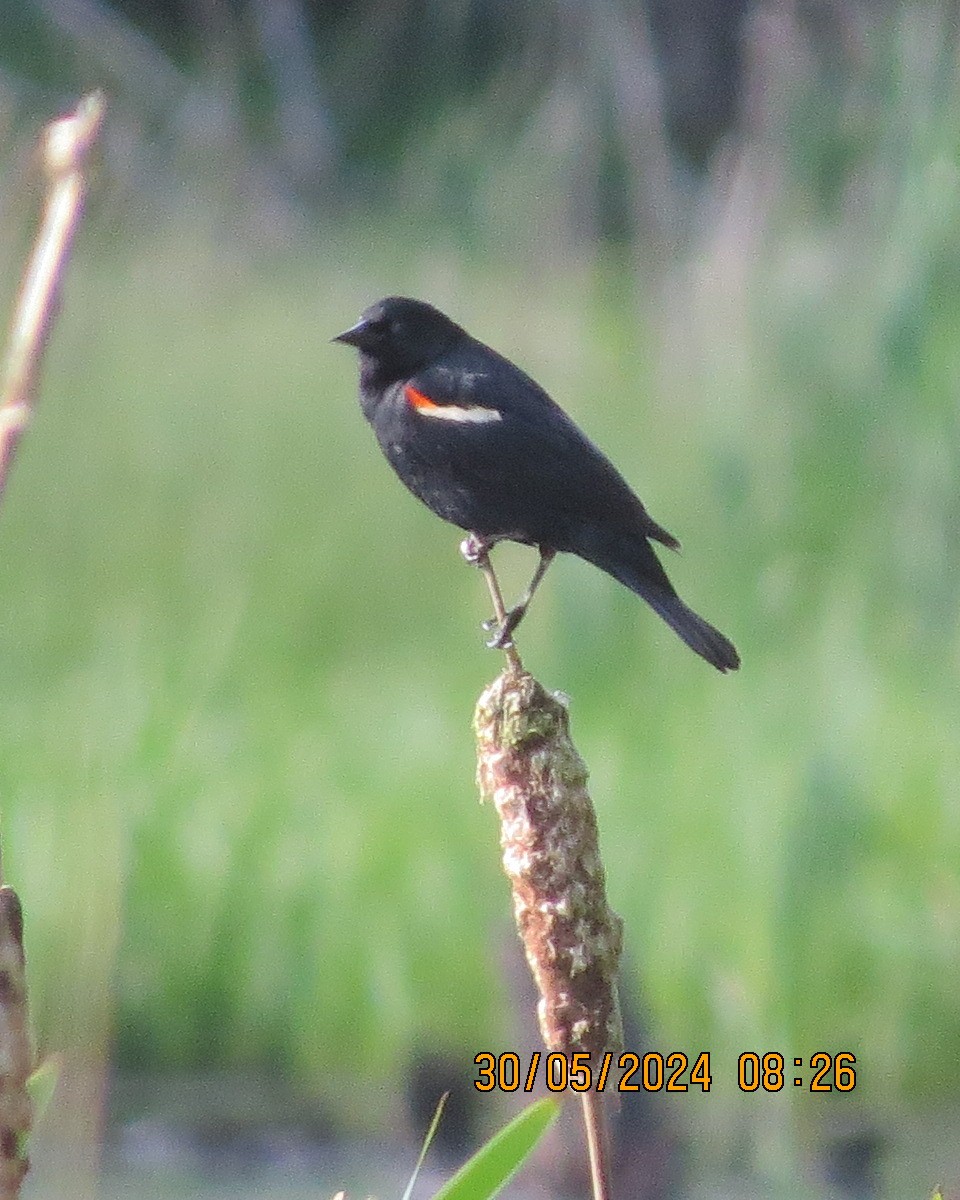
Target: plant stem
[(65, 144)]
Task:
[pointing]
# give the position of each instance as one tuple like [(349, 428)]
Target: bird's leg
[(477, 551), (509, 621)]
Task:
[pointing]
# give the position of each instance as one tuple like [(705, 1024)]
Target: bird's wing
[(501, 433)]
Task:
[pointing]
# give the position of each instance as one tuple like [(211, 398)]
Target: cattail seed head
[(528, 766)]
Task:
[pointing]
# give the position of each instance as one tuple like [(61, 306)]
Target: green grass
[(239, 663)]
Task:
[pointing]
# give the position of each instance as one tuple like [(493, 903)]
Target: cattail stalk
[(16, 1048), (529, 767), (64, 147)]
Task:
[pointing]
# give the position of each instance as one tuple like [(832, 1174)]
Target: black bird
[(484, 446)]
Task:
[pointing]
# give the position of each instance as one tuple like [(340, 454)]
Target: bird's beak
[(352, 336)]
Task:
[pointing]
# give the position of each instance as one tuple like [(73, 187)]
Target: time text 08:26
[(769, 1071)]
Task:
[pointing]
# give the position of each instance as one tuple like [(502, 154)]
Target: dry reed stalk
[(65, 144), (16, 1048)]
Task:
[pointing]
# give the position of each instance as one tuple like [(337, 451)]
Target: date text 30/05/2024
[(656, 1072)]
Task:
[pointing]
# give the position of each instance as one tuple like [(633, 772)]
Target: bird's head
[(398, 336)]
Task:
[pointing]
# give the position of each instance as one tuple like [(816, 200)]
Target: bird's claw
[(474, 549), (503, 638), (499, 630)]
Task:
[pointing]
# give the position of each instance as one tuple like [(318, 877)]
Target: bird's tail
[(637, 567), (699, 635)]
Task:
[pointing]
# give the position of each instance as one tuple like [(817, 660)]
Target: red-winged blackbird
[(485, 447)]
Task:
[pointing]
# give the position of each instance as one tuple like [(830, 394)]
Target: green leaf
[(482, 1176), (42, 1084), (426, 1145)]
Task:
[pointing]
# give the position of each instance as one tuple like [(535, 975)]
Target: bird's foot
[(474, 549), (503, 638)]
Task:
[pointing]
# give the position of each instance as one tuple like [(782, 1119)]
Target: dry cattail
[(530, 769)]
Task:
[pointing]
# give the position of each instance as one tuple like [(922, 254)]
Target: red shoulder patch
[(418, 399), (459, 414)]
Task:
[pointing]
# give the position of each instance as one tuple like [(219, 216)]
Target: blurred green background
[(238, 663)]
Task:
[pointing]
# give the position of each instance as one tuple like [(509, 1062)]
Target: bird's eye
[(381, 327)]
